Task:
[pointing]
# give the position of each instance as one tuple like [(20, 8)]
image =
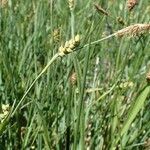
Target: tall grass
[(106, 106)]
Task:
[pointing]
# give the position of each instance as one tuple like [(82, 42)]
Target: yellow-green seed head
[(77, 38), (66, 44), (71, 4), (69, 50), (71, 46), (61, 51)]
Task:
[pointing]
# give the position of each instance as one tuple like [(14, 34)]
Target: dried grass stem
[(132, 30)]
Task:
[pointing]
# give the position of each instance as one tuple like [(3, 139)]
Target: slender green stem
[(100, 40), (80, 106), (43, 71), (68, 119), (72, 22)]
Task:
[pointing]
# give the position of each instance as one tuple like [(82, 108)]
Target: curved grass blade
[(135, 108)]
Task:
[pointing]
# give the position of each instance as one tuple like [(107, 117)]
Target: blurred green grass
[(31, 33)]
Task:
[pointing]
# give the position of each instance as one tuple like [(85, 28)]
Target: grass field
[(70, 80)]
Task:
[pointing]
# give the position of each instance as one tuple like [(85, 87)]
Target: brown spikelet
[(3, 3), (73, 78), (131, 4), (23, 130), (148, 77), (100, 9), (89, 129), (134, 30), (147, 144), (120, 21)]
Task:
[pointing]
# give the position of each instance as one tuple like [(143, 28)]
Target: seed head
[(134, 30), (131, 4), (69, 46), (3, 3), (120, 20), (71, 4), (73, 78), (4, 112), (148, 77), (127, 84), (56, 35), (77, 38)]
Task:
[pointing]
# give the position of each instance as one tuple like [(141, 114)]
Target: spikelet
[(148, 77), (147, 144), (73, 78), (69, 46), (100, 9), (4, 112), (71, 4), (127, 84), (23, 130), (133, 30), (89, 129), (56, 35), (3, 3), (131, 4), (120, 21)]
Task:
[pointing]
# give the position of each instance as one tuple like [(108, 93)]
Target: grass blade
[(135, 108)]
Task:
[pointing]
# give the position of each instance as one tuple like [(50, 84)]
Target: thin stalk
[(72, 22), (69, 101), (42, 72), (42, 121), (100, 40), (75, 60), (80, 106)]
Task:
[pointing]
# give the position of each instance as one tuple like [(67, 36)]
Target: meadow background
[(86, 99)]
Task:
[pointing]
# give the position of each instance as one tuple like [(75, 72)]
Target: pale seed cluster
[(131, 4), (4, 112), (56, 35), (134, 30), (147, 144), (69, 46), (148, 77), (88, 136), (126, 84), (3, 3), (71, 4), (73, 78)]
